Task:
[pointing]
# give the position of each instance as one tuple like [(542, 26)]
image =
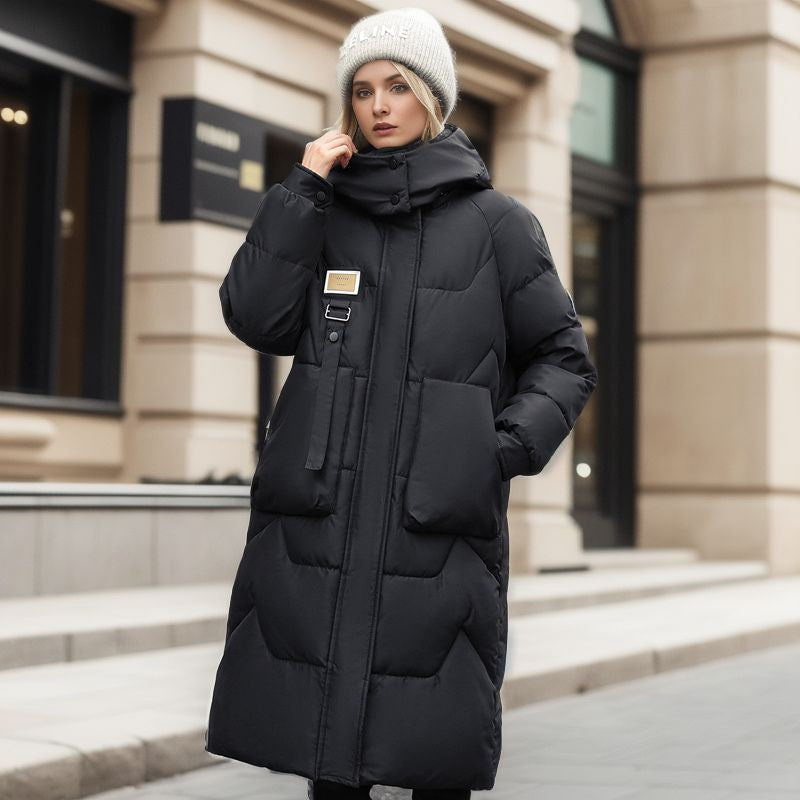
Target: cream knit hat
[(411, 36)]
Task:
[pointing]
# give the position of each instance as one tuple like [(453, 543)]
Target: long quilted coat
[(442, 356)]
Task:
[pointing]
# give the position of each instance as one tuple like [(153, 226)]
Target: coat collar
[(410, 175)]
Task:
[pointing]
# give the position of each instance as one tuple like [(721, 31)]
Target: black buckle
[(340, 319)]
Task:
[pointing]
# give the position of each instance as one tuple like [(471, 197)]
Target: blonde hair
[(347, 123)]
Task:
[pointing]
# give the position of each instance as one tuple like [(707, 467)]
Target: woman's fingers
[(322, 153)]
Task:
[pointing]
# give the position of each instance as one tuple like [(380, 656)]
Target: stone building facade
[(656, 140)]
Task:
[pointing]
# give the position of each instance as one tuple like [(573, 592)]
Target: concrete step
[(71, 729), (556, 590), (570, 651), (72, 627), (637, 557)]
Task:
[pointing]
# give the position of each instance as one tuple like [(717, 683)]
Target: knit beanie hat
[(410, 36)]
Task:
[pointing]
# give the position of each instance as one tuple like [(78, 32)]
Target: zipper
[(389, 491)]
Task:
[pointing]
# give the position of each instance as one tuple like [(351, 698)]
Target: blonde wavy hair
[(346, 121)]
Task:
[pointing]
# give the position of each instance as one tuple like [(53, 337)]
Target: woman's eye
[(361, 93)]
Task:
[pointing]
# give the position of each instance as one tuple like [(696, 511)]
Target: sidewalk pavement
[(728, 729)]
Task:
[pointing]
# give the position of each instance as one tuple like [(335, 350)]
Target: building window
[(594, 116), (63, 161), (596, 16)]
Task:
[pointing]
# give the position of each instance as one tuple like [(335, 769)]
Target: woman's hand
[(330, 148)]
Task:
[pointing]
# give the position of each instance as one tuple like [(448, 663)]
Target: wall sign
[(212, 163)]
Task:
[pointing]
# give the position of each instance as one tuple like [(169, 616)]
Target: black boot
[(330, 790), (441, 794)]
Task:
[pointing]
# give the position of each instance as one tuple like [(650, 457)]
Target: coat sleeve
[(546, 344), (263, 294)]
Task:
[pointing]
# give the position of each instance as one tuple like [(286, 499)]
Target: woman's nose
[(380, 103)]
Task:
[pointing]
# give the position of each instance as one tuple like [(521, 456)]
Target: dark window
[(63, 151)]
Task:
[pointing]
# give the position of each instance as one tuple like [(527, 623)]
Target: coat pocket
[(281, 483), (454, 484)]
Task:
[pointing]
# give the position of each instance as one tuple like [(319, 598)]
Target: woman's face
[(381, 97)]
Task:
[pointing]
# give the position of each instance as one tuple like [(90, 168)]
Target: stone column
[(719, 328), (190, 386)]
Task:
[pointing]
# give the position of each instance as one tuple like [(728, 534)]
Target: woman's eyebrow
[(385, 80)]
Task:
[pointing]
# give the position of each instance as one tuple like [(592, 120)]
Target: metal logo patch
[(342, 281)]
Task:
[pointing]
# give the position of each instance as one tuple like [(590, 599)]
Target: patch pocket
[(281, 483), (454, 484)]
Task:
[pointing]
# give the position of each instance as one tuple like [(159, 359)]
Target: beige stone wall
[(42, 444), (190, 387), (719, 351)]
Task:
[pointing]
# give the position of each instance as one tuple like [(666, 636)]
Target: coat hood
[(395, 180)]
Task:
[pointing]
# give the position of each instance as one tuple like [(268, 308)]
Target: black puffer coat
[(366, 637)]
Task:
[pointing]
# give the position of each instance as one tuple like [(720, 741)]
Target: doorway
[(603, 138), (604, 441)]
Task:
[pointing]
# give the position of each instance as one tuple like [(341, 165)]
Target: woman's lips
[(384, 131)]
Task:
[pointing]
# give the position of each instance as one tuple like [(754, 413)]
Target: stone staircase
[(109, 687)]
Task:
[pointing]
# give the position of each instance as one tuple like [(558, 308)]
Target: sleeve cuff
[(304, 181), (512, 455)]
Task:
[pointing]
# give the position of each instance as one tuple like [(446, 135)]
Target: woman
[(436, 356)]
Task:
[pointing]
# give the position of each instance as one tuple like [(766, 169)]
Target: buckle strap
[(323, 402), (328, 311)]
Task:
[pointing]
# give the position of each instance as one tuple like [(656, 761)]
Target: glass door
[(587, 233), (604, 451)]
